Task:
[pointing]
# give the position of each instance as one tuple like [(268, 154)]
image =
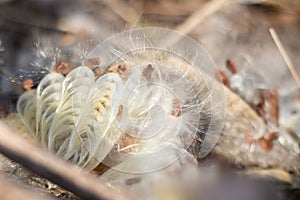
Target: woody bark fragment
[(10, 191)]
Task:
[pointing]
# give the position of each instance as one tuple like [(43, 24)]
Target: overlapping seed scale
[(26, 107), (70, 115)]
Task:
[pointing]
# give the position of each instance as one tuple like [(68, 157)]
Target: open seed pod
[(154, 97), (252, 134)]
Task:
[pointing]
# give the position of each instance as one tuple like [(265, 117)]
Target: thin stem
[(285, 57)]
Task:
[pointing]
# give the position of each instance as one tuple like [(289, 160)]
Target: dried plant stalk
[(242, 125), (285, 56), (243, 128)]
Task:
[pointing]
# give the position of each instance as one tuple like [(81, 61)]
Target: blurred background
[(228, 29)]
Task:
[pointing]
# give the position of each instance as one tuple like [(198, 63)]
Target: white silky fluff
[(77, 117), (71, 115), (122, 117)]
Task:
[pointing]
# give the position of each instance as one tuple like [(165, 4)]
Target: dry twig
[(284, 55), (197, 18), (127, 13), (200, 14)]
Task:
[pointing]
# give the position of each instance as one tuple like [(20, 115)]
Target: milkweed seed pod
[(146, 92), (256, 136), (150, 96)]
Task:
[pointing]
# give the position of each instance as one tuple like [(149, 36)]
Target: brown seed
[(230, 65), (260, 107), (60, 67), (176, 111), (147, 72), (119, 68), (27, 84), (272, 98), (98, 71), (100, 169), (264, 144), (224, 78), (132, 181), (120, 112), (271, 136), (122, 68), (92, 62)]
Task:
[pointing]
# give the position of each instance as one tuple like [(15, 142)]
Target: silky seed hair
[(148, 99), (252, 134), (48, 53), (156, 100), (148, 54)]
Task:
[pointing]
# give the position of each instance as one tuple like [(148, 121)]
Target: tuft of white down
[(71, 115), (115, 118)]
